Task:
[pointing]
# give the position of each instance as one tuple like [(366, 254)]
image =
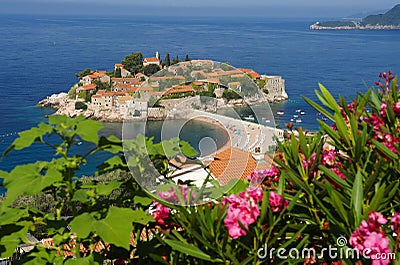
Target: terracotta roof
[(97, 96), (89, 87), (234, 84), (210, 80), (122, 87), (179, 89), (147, 88), (233, 163), (251, 72), (97, 74), (160, 78), (151, 60), (125, 80), (118, 65), (101, 92)]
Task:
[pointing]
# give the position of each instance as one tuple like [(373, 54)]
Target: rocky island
[(147, 88), (388, 21)]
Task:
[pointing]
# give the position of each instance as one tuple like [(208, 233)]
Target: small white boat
[(280, 112), (299, 121), (295, 116), (302, 113), (249, 118), (298, 110), (291, 120), (324, 118), (267, 121)]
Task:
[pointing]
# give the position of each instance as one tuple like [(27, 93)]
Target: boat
[(267, 121), (324, 118), (292, 120), (299, 120), (280, 112), (298, 110), (295, 116), (249, 118), (302, 113)]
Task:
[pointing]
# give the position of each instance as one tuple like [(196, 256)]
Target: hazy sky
[(273, 8)]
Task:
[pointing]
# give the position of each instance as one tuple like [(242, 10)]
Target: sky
[(260, 8)]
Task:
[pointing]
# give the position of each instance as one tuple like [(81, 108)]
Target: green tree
[(85, 72), (133, 62), (118, 72), (80, 105), (167, 60), (151, 69), (175, 60), (187, 58)]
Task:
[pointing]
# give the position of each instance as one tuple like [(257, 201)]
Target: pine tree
[(167, 61), (187, 58)]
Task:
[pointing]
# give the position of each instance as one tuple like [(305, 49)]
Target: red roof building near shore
[(251, 72), (234, 163), (89, 87), (151, 60)]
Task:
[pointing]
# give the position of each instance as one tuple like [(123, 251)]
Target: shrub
[(80, 105)]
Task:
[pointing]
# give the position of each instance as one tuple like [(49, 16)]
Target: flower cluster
[(161, 212), (269, 175), (242, 209), (395, 222), (370, 236), (276, 202), (329, 161)]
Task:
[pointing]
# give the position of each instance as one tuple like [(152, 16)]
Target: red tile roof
[(251, 72), (151, 60), (89, 87), (179, 89)]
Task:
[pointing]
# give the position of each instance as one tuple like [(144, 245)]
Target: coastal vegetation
[(389, 20), (322, 191)]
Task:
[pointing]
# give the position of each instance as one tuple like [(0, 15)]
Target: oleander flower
[(383, 109), (160, 213), (271, 173), (275, 201), (396, 108), (243, 209), (370, 236), (378, 245), (395, 222)]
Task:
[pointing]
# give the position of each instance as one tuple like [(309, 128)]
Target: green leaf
[(27, 138), (82, 225), (329, 99), (386, 151), (144, 201), (318, 108), (88, 130), (376, 201), (337, 203), (187, 149), (141, 217), (89, 260), (189, 250), (117, 227), (357, 198), (106, 188)]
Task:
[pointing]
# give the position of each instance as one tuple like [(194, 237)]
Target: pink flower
[(378, 244), (369, 236), (383, 109), (255, 193), (396, 108), (395, 222), (243, 209), (259, 176), (376, 121), (329, 157), (275, 201), (160, 213)]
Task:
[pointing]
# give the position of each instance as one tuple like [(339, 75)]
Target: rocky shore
[(357, 26)]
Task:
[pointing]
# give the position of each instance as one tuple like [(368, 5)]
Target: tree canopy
[(133, 62)]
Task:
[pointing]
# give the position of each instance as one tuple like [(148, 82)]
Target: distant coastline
[(388, 21)]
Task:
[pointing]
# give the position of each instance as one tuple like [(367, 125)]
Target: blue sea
[(39, 55)]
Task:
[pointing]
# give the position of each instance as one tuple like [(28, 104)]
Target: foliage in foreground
[(339, 185)]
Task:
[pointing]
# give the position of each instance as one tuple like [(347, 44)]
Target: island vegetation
[(139, 84)]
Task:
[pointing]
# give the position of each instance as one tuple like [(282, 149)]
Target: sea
[(40, 54)]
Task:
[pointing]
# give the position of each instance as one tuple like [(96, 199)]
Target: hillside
[(392, 17), (388, 20)]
